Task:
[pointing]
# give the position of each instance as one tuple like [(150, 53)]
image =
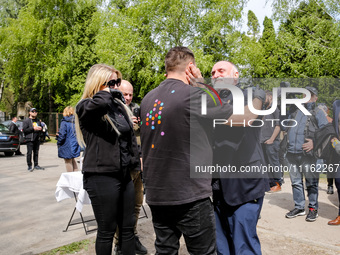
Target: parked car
[(20, 124), (9, 142)]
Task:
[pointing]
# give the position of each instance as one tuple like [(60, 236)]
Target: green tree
[(253, 24), (47, 51), (309, 47), (271, 63), (136, 35)]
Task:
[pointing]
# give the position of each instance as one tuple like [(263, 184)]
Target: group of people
[(68, 148), (215, 215)]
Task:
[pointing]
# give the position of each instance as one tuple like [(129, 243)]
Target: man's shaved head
[(127, 89)]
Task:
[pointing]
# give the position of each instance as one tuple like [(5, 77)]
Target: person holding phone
[(127, 89), (32, 129), (104, 127)]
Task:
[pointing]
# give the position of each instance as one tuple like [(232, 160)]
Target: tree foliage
[(47, 50), (136, 35), (48, 46), (253, 24)]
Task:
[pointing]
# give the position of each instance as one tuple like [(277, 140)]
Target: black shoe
[(140, 248), (312, 215), (39, 168), (295, 212), (116, 250), (330, 190), (30, 169)]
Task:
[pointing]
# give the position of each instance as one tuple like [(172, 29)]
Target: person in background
[(270, 143), (104, 127), (32, 130), (13, 128), (301, 158), (68, 147), (330, 180), (44, 132), (336, 155), (127, 89)]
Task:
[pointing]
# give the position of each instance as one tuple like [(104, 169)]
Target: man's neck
[(178, 76)]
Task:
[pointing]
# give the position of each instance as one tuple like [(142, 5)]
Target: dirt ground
[(33, 221), (277, 234)]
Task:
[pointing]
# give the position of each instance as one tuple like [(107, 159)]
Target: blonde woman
[(103, 124), (68, 147)]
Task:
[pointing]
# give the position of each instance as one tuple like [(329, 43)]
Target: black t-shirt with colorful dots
[(175, 136)]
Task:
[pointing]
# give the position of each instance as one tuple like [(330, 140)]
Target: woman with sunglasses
[(103, 124)]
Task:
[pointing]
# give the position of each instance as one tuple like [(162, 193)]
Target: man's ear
[(187, 66), (236, 75)]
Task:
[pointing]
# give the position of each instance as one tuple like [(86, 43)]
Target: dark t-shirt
[(175, 135), (268, 127)]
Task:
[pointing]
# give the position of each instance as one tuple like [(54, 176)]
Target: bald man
[(237, 201), (127, 89)]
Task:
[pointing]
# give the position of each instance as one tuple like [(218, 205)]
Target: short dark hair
[(178, 56)]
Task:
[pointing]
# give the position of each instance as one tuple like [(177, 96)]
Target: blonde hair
[(96, 77), (68, 111)]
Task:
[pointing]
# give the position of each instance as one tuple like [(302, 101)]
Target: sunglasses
[(113, 83), (33, 111)]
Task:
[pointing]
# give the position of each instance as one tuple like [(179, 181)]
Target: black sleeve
[(26, 128), (12, 128), (94, 108)]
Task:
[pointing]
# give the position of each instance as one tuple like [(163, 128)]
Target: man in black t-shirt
[(270, 142), (175, 137), (179, 204), (32, 130)]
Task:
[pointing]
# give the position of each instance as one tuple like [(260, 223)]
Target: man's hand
[(269, 141), (336, 145), (135, 122), (193, 74), (308, 146), (37, 128)]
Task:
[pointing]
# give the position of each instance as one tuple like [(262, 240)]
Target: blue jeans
[(236, 227), (300, 166), (271, 155), (194, 220), (113, 203)]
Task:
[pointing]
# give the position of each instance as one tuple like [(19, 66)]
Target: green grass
[(52, 140), (70, 248)]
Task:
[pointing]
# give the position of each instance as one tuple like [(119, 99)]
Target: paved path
[(32, 221)]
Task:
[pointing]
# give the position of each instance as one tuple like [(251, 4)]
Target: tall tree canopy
[(136, 35), (47, 50), (48, 46)]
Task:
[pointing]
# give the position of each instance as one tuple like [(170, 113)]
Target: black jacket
[(102, 153), (239, 147), (13, 128), (30, 133)]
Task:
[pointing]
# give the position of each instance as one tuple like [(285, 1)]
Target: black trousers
[(113, 203), (33, 147), (194, 220)]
